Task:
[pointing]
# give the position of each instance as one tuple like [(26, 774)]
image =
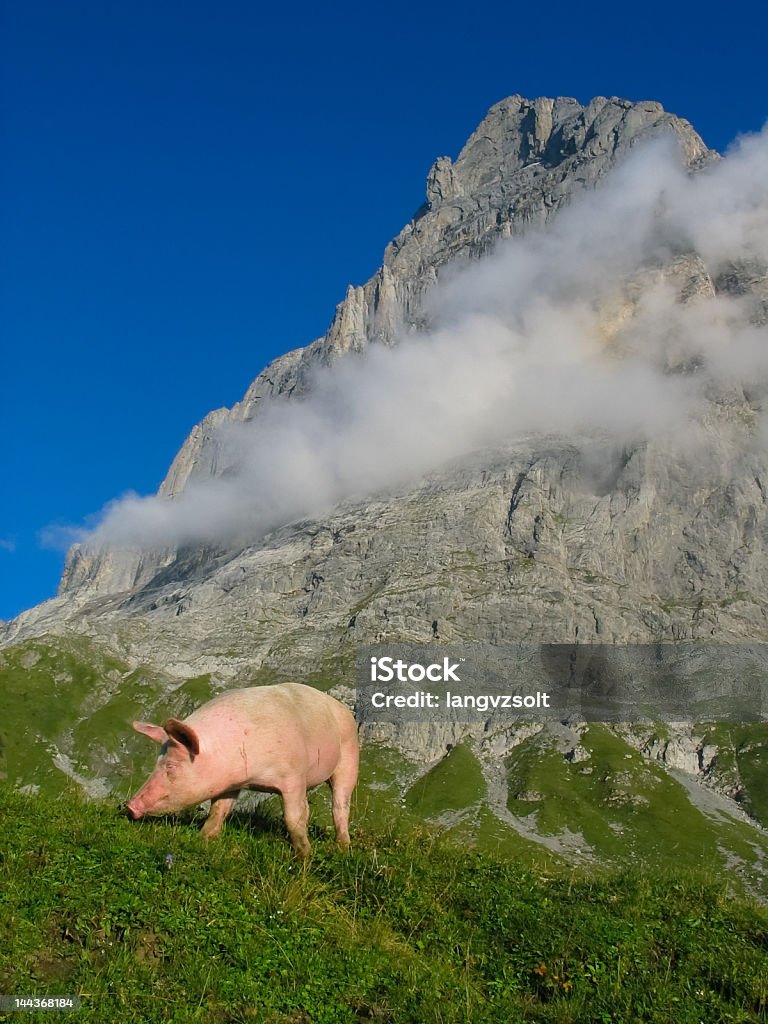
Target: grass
[(626, 808), (42, 687), (454, 783), (407, 928), (743, 756), (483, 831), (751, 745)]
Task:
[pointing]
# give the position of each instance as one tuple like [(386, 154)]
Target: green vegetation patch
[(482, 830), (42, 688), (332, 669), (454, 783), (751, 747), (65, 698), (406, 928), (627, 809), (384, 775), (742, 760)]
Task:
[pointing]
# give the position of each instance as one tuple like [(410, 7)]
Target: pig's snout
[(134, 810)]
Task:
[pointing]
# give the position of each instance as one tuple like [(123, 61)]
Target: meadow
[(147, 923)]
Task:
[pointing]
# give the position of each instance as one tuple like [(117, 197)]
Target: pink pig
[(280, 739)]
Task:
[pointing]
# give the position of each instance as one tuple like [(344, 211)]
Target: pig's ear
[(155, 732), (183, 734)]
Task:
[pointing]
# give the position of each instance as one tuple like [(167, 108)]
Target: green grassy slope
[(67, 697), (65, 706), (454, 783), (407, 928), (743, 755), (627, 809)]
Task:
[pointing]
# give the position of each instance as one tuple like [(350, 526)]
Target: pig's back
[(282, 703), (291, 727)]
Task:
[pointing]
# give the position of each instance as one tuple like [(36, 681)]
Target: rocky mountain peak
[(523, 163), (519, 133)]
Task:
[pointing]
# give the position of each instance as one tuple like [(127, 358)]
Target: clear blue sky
[(186, 189)]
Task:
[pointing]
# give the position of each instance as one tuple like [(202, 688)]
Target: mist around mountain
[(580, 328)]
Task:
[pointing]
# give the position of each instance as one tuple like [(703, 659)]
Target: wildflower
[(169, 861)]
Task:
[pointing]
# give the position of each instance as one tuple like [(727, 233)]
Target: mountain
[(542, 536), (525, 161)]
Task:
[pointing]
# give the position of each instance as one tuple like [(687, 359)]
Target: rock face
[(531, 542), (524, 162)]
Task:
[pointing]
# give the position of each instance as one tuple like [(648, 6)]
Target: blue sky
[(186, 190)]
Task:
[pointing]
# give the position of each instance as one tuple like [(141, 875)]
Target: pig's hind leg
[(296, 813), (342, 784), (220, 808)]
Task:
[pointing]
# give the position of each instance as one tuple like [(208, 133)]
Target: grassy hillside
[(744, 757), (66, 708), (627, 809), (407, 928)]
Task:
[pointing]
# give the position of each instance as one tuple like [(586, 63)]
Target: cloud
[(575, 329), (7, 544)]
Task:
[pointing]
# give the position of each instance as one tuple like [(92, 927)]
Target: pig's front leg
[(220, 808)]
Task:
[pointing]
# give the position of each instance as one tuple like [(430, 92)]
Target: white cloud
[(549, 333)]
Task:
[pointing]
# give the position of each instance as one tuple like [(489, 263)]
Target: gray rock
[(524, 162)]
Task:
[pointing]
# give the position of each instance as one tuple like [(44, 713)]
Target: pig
[(281, 739)]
